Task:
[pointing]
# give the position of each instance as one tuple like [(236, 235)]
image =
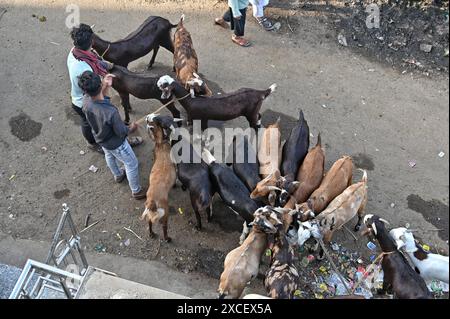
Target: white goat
[(429, 266)]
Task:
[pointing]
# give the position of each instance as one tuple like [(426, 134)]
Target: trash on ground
[(127, 242), (371, 245), (441, 154), (412, 163), (100, 248), (342, 40), (82, 152), (93, 169), (180, 210)]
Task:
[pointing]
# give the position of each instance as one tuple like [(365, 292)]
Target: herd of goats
[(284, 200)]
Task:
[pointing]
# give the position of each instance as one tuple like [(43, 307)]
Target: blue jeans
[(125, 155)]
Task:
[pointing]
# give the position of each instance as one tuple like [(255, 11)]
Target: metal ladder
[(63, 271)]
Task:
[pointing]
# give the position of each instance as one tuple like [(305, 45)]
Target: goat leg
[(152, 60), (151, 233), (126, 106), (166, 237), (198, 218)]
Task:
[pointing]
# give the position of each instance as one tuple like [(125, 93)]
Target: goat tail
[(207, 157), (301, 116), (181, 19), (145, 214), (319, 140), (272, 88), (364, 177)]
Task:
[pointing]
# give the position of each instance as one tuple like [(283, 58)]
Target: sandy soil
[(383, 118)]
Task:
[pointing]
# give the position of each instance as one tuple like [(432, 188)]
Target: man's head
[(82, 37), (90, 83)]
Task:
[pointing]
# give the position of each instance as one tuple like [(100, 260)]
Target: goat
[(294, 152), (194, 176), (309, 175), (268, 187), (151, 34), (242, 263), (339, 212), (399, 277), (269, 151), (232, 191), (185, 62), (282, 279), (139, 85), (429, 266), (245, 164), (335, 181), (162, 179), (224, 107)]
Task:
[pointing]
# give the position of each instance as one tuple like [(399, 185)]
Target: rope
[(369, 269), (109, 44), (138, 122)]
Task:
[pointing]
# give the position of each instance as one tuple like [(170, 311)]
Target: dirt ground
[(387, 119)]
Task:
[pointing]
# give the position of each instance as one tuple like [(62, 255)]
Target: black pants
[(237, 25), (85, 127)]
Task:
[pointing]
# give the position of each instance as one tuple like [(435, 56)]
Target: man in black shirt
[(109, 130)]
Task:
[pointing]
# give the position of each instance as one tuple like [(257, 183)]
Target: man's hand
[(238, 17), (107, 83), (133, 127)]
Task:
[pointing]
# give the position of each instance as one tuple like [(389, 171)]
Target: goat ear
[(196, 75), (192, 92), (374, 227)]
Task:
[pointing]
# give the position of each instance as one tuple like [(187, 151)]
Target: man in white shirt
[(82, 40)]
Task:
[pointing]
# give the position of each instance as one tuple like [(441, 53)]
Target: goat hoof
[(357, 227), (198, 228), (152, 235), (168, 240), (184, 188)]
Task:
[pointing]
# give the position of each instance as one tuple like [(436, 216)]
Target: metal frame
[(49, 275)]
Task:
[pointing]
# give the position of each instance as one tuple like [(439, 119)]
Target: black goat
[(245, 162), (294, 152), (232, 191), (399, 277), (153, 33), (224, 107), (139, 85)]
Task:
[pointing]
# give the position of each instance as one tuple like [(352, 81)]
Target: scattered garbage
[(82, 152), (180, 210), (12, 177), (11, 216), (412, 164), (426, 248), (392, 205), (335, 246), (44, 149), (100, 248), (42, 19), (277, 26), (437, 286), (50, 118), (127, 242), (426, 47), (441, 154), (342, 40), (371, 245), (93, 169)]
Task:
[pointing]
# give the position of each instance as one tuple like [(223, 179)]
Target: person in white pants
[(258, 13)]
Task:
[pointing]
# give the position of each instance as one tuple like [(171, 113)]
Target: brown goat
[(269, 151), (162, 179), (309, 175), (185, 62), (336, 180), (242, 263)]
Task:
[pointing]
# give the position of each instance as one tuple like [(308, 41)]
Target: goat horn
[(367, 217), (295, 183), (374, 227), (92, 26), (177, 120), (384, 221), (151, 116), (273, 188), (293, 212), (192, 93), (196, 75)]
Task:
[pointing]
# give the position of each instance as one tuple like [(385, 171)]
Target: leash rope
[(109, 44), (138, 122)]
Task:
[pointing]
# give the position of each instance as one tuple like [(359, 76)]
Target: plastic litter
[(335, 246), (82, 152), (180, 210), (426, 248), (268, 252), (127, 242), (412, 164), (100, 248), (93, 169), (441, 154), (437, 286), (371, 245)]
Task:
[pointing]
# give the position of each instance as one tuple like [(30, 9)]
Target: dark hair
[(82, 36), (90, 83)]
